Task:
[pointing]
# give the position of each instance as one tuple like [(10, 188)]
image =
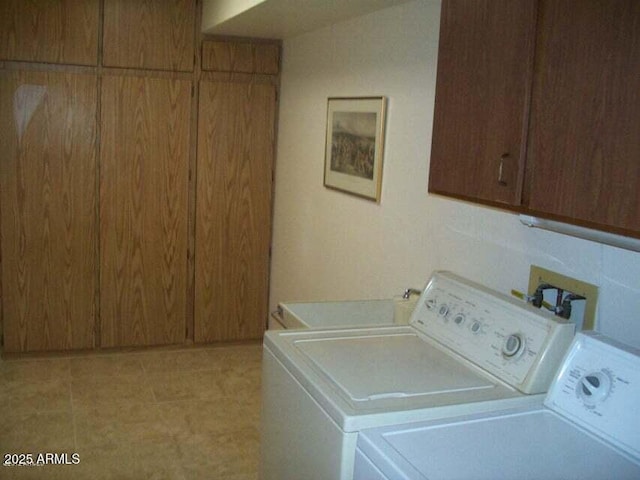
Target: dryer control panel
[(514, 341), (598, 387)]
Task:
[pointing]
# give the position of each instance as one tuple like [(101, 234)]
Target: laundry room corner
[(329, 245)]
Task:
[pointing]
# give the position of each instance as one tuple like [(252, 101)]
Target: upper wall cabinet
[(584, 138), (484, 70), (146, 34), (570, 116), (241, 57), (52, 31)]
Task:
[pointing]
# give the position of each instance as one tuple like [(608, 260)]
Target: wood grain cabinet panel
[(48, 201), (484, 75), (149, 34), (584, 141), (233, 220), (143, 210), (52, 31), (241, 57)]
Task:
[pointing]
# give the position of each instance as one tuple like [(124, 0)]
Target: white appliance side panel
[(299, 440), (529, 446), (365, 470)]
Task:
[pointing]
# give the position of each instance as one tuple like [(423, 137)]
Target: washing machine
[(587, 429), (466, 349)]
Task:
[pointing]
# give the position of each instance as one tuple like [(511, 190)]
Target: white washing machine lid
[(369, 377), (373, 367), (524, 445)]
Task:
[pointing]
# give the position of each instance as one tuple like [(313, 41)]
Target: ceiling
[(282, 18)]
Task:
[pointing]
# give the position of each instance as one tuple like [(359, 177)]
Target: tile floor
[(179, 414)]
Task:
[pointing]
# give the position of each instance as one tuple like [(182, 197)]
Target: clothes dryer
[(587, 429)]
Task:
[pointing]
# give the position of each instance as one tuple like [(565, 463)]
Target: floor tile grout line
[(74, 422)]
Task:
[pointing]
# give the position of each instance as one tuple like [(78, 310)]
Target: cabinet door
[(242, 57), (233, 220), (584, 140), (48, 201), (149, 34), (144, 160), (53, 31), (484, 69)]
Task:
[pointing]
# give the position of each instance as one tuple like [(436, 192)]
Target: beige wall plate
[(539, 275)]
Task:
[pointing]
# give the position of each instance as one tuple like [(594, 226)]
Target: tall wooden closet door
[(144, 161), (48, 201), (233, 219)]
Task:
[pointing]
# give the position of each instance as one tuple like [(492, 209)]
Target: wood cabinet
[(584, 138), (48, 201), (572, 114), (52, 31), (233, 221), (144, 167), (241, 57), (149, 34), (483, 80), (135, 176)]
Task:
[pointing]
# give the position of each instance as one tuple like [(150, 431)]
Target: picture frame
[(354, 146)]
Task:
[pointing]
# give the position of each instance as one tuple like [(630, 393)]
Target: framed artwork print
[(354, 145)]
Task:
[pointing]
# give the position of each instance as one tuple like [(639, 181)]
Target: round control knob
[(594, 388), (459, 319), (476, 326), (444, 310), (513, 346)]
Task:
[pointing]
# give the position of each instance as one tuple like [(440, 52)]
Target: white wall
[(331, 245), (218, 11)]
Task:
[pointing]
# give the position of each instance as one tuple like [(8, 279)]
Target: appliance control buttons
[(444, 310), (475, 327), (459, 319), (513, 346), (430, 304), (594, 388)]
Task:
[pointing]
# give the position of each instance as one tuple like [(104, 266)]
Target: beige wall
[(330, 245)]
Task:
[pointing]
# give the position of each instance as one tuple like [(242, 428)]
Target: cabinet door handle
[(501, 180)]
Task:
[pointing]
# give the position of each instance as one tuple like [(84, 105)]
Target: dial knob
[(475, 326), (459, 319), (513, 346), (594, 388)]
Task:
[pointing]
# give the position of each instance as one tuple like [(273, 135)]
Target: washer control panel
[(598, 387), (519, 344)]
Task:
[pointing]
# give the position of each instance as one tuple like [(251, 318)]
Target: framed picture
[(354, 145)]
